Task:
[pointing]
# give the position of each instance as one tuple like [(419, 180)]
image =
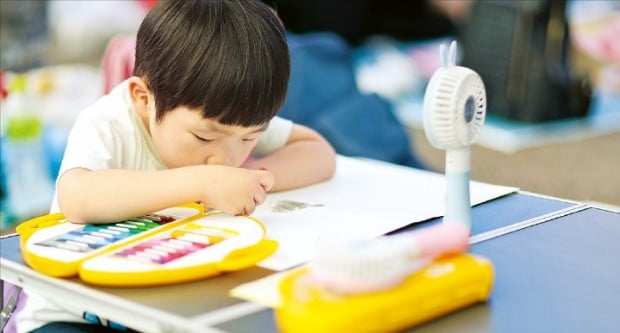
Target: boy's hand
[(235, 191)]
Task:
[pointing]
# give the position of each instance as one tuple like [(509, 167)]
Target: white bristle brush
[(369, 265), (454, 111)]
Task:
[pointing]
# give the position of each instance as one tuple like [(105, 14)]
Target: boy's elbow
[(318, 149), (330, 160), (71, 210), (75, 218), (77, 209), (72, 205)]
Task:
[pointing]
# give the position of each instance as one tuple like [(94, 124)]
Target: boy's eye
[(199, 138), (250, 139)]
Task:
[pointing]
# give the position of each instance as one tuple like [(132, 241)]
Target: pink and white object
[(371, 265)]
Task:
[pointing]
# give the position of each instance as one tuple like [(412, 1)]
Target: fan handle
[(458, 205)]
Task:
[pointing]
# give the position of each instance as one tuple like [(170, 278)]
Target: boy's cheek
[(249, 162)]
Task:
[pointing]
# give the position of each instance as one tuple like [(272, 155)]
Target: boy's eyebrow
[(224, 131)]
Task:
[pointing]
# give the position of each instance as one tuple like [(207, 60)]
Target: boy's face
[(183, 138)]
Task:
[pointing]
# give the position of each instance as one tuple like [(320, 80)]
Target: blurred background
[(358, 72)]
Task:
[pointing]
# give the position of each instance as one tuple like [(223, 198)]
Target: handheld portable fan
[(454, 110), (453, 114)]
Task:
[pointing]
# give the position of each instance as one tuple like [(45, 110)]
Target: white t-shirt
[(110, 135)]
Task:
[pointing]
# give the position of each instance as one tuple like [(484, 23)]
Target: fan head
[(454, 105)]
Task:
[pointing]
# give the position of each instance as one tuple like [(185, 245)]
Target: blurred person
[(322, 35)]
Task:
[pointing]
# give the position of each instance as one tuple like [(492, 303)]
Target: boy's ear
[(140, 96)]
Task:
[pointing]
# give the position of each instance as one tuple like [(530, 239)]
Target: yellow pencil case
[(443, 286)]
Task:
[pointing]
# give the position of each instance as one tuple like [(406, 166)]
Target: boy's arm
[(87, 196), (307, 158)]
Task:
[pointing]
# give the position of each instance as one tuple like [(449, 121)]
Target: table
[(551, 275)]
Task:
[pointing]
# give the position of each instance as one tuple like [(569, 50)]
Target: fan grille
[(458, 108)]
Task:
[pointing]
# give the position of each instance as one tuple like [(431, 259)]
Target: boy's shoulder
[(113, 108)]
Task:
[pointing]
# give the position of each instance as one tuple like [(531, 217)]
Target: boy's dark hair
[(226, 57)]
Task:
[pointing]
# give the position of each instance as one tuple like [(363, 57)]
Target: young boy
[(209, 78), (207, 83)]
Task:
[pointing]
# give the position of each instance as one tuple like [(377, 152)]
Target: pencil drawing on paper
[(285, 206)]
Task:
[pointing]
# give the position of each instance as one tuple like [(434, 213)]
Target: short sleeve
[(91, 144), (276, 136)]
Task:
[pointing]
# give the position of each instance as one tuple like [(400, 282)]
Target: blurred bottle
[(28, 187)]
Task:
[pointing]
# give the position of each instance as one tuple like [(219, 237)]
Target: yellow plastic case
[(444, 286), (188, 244), (236, 242)]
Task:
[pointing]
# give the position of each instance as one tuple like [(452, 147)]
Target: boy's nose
[(221, 158)]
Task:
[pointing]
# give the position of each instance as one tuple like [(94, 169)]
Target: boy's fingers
[(265, 178), (259, 198), (202, 204), (242, 211), (249, 209)]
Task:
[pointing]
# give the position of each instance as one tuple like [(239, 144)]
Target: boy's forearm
[(112, 195), (299, 164)]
